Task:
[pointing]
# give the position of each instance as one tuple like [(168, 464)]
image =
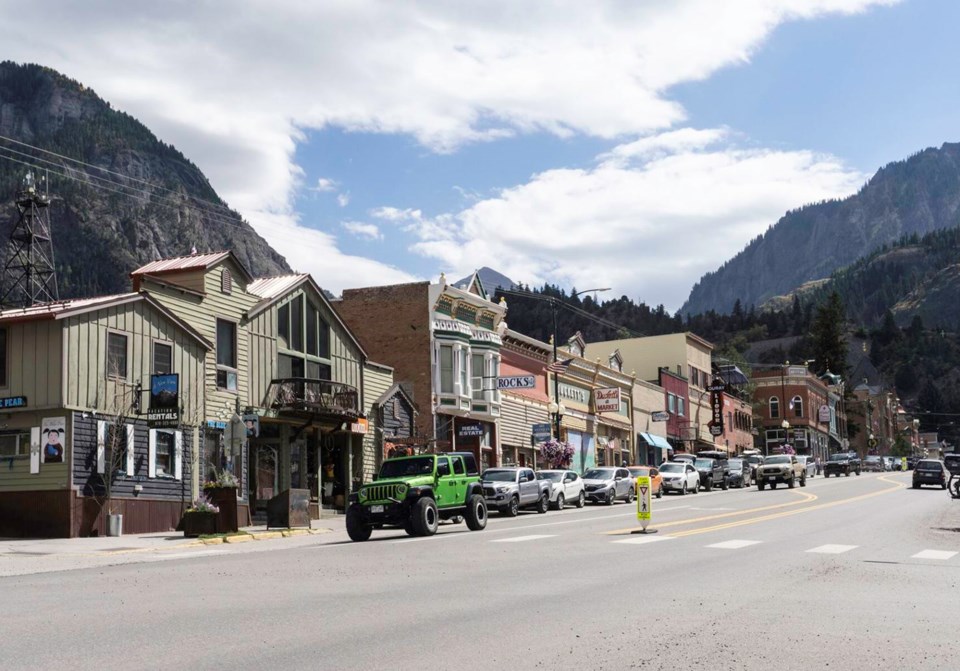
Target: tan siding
[(517, 417), (34, 355), (376, 381)]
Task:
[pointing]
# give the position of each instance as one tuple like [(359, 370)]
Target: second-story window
[(226, 355), (774, 407), (462, 365), (162, 358), (671, 404), (680, 406), (477, 376), (797, 405), (446, 369), (117, 355)]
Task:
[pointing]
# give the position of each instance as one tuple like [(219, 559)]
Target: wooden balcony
[(300, 394)]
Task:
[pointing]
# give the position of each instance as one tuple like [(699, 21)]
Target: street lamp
[(785, 425)]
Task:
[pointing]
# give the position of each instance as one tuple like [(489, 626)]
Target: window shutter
[(101, 445), (226, 281), (152, 455), (178, 455), (35, 449), (131, 466)]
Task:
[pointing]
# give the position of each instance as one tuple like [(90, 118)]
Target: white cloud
[(443, 73), (362, 230), (325, 185), (648, 227), (343, 199)]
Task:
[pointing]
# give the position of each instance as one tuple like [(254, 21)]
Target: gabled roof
[(475, 286), (397, 388), (272, 289), (72, 308), (179, 264)]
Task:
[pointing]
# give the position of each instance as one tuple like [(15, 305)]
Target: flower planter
[(224, 498), (199, 524)]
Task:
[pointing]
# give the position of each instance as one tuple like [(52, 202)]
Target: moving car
[(566, 487), (874, 464), (930, 472), (606, 485), (711, 473), (781, 468), (679, 476), (843, 463), (740, 473), (656, 480), (808, 463)]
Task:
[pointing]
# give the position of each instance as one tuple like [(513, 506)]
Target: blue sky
[(635, 145)]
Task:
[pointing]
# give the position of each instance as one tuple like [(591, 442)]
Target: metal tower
[(28, 273)]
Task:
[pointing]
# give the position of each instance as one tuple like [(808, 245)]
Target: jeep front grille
[(384, 492)]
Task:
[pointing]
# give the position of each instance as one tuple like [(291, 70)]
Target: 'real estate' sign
[(470, 430)]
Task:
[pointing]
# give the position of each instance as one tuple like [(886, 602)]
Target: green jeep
[(415, 493)]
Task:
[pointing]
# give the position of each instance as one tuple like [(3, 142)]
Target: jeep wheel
[(558, 505), (356, 529), (424, 517), (724, 485), (512, 509), (543, 505), (581, 500), (408, 527), (847, 474), (476, 513), (630, 496), (709, 486)]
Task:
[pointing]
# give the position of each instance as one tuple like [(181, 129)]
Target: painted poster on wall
[(53, 432)]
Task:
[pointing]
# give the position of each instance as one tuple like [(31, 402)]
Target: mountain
[(145, 202), (916, 196), (490, 278)]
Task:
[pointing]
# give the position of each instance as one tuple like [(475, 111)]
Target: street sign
[(517, 382), (644, 501), (660, 416), (540, 432), (873, 442)]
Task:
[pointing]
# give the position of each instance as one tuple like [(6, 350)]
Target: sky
[(631, 145)]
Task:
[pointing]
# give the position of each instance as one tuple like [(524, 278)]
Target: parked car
[(842, 463), (755, 459), (893, 463), (782, 468), (739, 473), (808, 463), (930, 472), (606, 485), (874, 464), (711, 473), (510, 489), (684, 456), (566, 487), (679, 476), (656, 480), (912, 462)]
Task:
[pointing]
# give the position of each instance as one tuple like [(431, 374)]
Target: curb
[(265, 535), (243, 538)]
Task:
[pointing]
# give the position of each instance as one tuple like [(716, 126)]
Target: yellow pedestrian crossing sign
[(643, 499)]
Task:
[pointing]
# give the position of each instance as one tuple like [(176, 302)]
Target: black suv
[(712, 473), (842, 462)]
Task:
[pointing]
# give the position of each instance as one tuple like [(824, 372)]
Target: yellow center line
[(822, 506), (806, 498)]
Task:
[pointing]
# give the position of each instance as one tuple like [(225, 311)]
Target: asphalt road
[(856, 573)]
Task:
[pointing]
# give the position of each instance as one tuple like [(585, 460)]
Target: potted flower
[(222, 492), (201, 517), (556, 454)]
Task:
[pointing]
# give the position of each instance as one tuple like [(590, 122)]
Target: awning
[(656, 441)]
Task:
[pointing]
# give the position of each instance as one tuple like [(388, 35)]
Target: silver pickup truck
[(510, 489)]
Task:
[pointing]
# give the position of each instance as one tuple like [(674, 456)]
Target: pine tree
[(828, 333)]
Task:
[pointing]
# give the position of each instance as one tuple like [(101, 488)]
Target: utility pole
[(29, 276)]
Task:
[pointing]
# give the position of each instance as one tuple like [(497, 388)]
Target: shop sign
[(517, 382), (163, 419), (716, 408), (607, 400), (164, 411), (660, 416), (578, 394), (470, 430), (540, 432), (824, 414), (13, 402), (216, 425), (252, 422), (360, 426)]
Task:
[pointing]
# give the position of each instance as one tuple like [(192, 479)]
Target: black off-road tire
[(793, 482), (476, 513), (724, 485), (709, 486), (408, 527), (424, 517), (356, 529), (543, 504), (773, 485)]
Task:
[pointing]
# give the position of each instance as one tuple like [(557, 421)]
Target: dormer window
[(226, 281)]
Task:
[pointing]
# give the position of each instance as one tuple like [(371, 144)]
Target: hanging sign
[(540, 432), (824, 414), (660, 416), (716, 411), (164, 411)]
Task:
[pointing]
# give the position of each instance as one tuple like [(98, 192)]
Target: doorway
[(265, 483)]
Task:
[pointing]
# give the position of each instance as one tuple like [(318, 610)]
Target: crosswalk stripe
[(733, 545), (934, 554), (520, 539), (831, 549), (643, 540)]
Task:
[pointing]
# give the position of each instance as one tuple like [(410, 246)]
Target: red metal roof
[(51, 310), (178, 263), (271, 287)]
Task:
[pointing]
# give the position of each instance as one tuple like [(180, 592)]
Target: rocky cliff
[(916, 196), (152, 203)]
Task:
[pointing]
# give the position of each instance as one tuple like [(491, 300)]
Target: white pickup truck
[(510, 489)]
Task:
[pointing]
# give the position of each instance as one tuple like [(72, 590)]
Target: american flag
[(560, 366)]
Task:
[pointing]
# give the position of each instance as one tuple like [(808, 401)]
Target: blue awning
[(656, 441)]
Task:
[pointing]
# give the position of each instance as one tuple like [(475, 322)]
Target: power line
[(547, 299)]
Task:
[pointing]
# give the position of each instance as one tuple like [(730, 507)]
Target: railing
[(308, 395)]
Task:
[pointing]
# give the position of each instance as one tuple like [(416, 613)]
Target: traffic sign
[(873, 442), (644, 501)]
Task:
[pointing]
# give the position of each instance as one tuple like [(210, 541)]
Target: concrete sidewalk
[(23, 548)]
